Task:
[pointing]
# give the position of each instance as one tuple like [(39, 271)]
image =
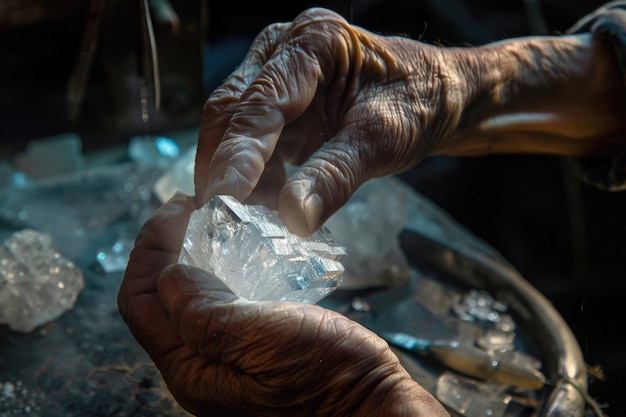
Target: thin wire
[(150, 51)]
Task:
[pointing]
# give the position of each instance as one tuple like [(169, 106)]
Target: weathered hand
[(348, 105), (220, 355)]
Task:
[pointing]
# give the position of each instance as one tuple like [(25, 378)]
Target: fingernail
[(313, 210)]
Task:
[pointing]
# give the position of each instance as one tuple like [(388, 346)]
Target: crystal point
[(251, 250)]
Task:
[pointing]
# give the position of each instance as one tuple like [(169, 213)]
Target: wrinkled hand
[(220, 355), (343, 102), (349, 105)]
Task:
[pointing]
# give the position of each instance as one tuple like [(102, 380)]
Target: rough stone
[(37, 284)]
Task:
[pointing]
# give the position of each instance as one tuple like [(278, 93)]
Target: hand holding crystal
[(347, 105), (221, 355), (325, 95)]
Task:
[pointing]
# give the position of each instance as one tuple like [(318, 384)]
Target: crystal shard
[(250, 249), (37, 284), (369, 226), (470, 398)]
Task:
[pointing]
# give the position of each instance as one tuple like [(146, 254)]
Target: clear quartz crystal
[(37, 284), (251, 250)]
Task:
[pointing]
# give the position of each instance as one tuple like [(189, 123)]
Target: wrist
[(559, 95)]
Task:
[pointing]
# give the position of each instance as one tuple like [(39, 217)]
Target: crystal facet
[(251, 250), (37, 284)]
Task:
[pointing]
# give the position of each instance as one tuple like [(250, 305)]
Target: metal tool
[(468, 360)]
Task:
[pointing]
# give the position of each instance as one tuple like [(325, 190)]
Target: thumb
[(179, 285), (203, 310), (322, 185)]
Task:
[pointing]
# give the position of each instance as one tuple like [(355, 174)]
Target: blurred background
[(84, 67)]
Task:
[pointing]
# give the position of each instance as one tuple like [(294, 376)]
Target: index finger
[(220, 106), (283, 89)]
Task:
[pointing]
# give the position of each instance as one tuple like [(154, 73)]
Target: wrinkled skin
[(347, 105), (224, 356)]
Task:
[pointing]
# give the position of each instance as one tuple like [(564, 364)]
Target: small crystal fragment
[(493, 339), (53, 156), (251, 250), (471, 398), (37, 284), (115, 258), (480, 306), (8, 390)]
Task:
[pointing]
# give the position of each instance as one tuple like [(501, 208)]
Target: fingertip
[(313, 193), (301, 208), (179, 197), (236, 179), (215, 187), (177, 202)]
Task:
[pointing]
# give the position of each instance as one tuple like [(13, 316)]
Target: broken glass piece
[(37, 284), (250, 249)]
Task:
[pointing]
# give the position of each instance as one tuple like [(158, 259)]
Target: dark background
[(566, 238)]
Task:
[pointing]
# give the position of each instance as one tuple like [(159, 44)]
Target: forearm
[(556, 95)]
